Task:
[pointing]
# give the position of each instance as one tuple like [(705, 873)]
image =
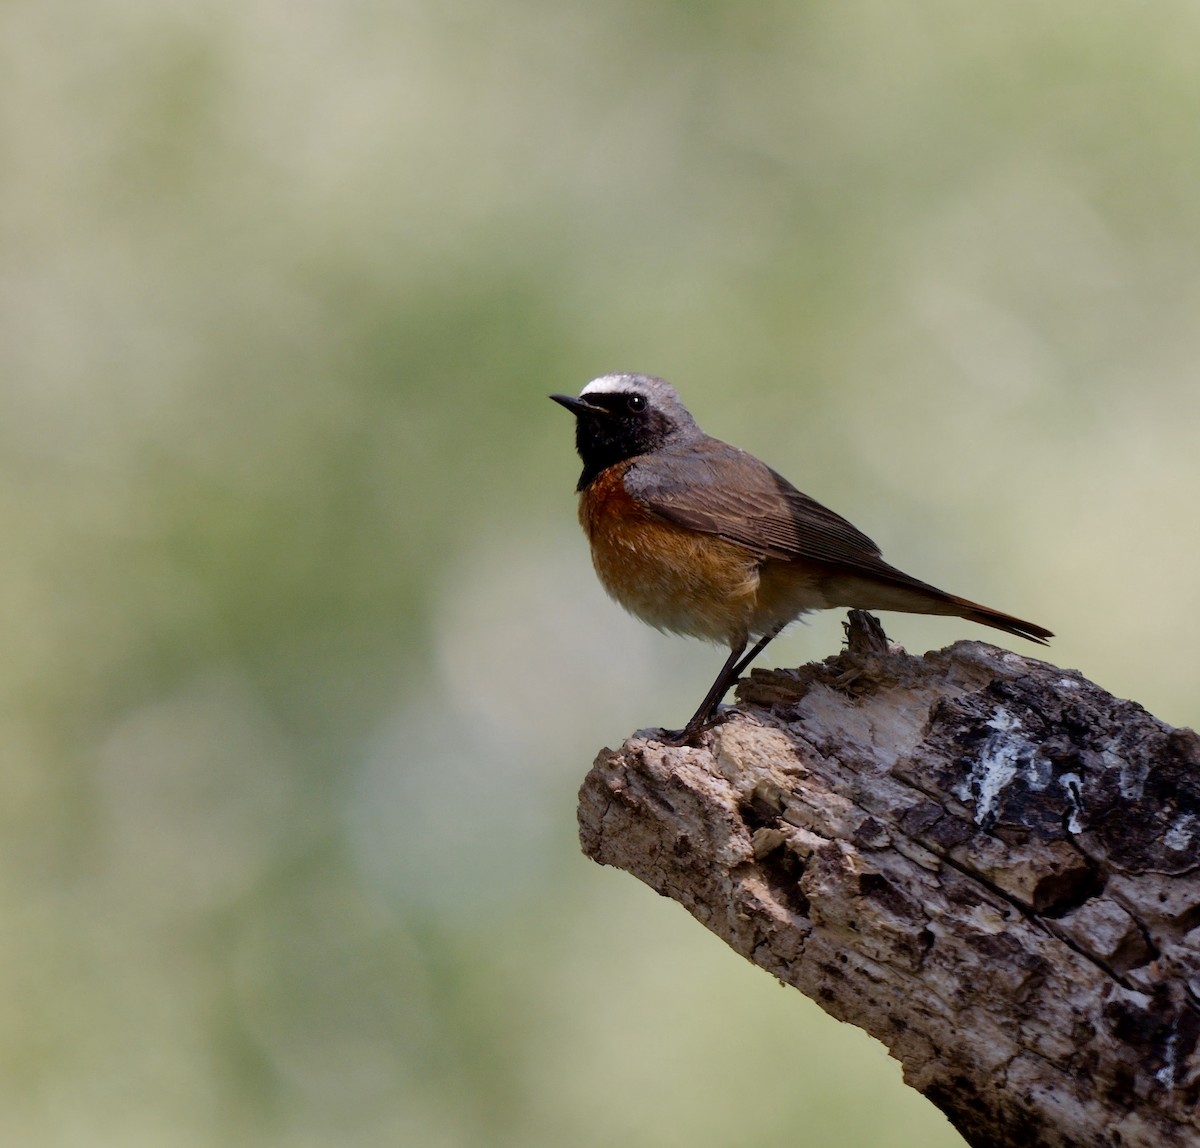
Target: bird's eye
[(637, 403)]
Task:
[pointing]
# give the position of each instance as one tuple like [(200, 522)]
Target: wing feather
[(718, 489), (715, 488)]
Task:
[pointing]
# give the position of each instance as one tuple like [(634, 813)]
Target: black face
[(611, 426)]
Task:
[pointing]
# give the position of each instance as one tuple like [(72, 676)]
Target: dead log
[(987, 862)]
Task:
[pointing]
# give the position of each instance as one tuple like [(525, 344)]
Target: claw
[(692, 731)]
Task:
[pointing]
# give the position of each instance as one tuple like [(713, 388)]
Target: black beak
[(578, 407)]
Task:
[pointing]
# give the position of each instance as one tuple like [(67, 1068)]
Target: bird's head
[(623, 416)]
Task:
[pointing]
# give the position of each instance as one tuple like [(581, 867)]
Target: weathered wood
[(986, 862)]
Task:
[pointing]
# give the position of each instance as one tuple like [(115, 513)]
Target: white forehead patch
[(610, 384)]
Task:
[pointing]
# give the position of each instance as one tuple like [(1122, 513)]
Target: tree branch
[(986, 862)]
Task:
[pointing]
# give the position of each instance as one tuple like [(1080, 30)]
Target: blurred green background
[(301, 655)]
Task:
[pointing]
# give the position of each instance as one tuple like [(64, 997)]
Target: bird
[(700, 538)]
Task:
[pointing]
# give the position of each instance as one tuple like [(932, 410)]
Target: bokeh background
[(301, 656)]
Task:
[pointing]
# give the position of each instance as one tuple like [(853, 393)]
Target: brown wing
[(710, 486), (715, 488)]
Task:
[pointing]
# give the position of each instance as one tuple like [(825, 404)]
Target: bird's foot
[(690, 734)]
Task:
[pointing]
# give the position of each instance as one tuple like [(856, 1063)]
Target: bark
[(985, 861)]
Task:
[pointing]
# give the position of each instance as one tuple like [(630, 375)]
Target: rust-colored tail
[(985, 615), (892, 589)]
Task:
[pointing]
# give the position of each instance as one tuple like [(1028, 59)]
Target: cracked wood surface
[(986, 862)]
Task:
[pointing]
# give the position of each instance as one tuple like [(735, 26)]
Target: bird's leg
[(699, 719), (755, 650), (730, 672)]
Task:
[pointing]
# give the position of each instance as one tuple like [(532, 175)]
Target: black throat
[(609, 436)]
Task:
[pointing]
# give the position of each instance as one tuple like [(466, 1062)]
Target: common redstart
[(698, 537)]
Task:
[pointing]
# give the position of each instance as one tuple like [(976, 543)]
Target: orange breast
[(673, 578)]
